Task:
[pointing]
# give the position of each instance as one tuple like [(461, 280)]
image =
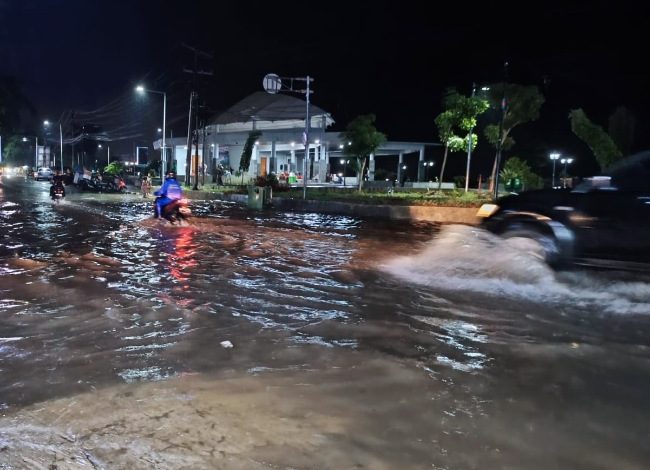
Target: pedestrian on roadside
[(145, 187)]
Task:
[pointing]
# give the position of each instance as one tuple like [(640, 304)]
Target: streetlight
[(140, 89), (46, 128), (565, 162), (553, 156), (430, 167), (344, 162), (35, 151), (470, 137)]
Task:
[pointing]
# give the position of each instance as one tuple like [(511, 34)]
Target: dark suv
[(603, 222)]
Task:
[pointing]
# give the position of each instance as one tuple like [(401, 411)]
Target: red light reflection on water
[(182, 259)]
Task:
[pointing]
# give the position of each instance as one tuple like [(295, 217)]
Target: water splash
[(463, 258)]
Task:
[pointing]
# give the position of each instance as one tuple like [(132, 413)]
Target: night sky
[(394, 59)]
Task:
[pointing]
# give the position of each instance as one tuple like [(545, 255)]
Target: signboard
[(272, 83)]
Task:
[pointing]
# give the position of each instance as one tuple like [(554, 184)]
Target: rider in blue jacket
[(169, 192)]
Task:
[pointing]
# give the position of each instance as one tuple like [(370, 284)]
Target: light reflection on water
[(95, 292)]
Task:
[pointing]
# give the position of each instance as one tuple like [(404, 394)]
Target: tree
[(363, 139), (469, 109), (17, 152), (459, 115), (247, 152), (604, 148), (522, 104), (621, 129), (445, 123), (515, 168), (114, 168), (12, 102)]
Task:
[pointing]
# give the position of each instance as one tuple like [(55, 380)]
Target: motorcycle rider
[(57, 183), (169, 192)]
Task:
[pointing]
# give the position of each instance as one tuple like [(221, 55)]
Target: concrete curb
[(438, 214)]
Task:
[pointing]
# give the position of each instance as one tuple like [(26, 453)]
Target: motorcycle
[(175, 211), (57, 191), (91, 184), (116, 185)]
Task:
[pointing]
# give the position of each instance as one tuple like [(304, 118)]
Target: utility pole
[(203, 157), (188, 146), (193, 97), (196, 151)]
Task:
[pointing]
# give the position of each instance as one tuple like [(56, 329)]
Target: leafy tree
[(114, 168), (621, 129), (517, 168), (604, 148), (154, 166), (12, 102), (17, 152), (460, 115), (247, 152), (522, 105), (445, 122), (363, 139), (469, 108)]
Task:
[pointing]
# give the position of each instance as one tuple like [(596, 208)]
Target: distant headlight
[(487, 210)]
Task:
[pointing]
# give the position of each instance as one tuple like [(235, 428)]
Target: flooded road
[(305, 341)]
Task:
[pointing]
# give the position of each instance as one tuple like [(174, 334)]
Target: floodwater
[(268, 340)]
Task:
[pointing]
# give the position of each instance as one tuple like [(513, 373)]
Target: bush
[(267, 180)]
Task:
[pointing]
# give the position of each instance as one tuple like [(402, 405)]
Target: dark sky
[(391, 58)]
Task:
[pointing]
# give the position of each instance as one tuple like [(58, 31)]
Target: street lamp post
[(163, 155), (344, 162), (35, 151), (46, 127), (553, 156), (430, 167), (469, 140), (565, 162)]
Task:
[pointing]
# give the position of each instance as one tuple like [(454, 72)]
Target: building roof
[(262, 106)]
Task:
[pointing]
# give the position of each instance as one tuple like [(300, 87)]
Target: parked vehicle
[(44, 173), (603, 222), (91, 184), (115, 184)]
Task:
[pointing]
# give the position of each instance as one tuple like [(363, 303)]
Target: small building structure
[(280, 149)]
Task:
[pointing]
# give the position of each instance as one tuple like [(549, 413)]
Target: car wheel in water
[(540, 244)]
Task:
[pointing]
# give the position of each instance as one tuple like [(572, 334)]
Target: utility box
[(513, 184), (259, 197)]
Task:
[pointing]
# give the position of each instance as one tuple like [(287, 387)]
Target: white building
[(281, 120)]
